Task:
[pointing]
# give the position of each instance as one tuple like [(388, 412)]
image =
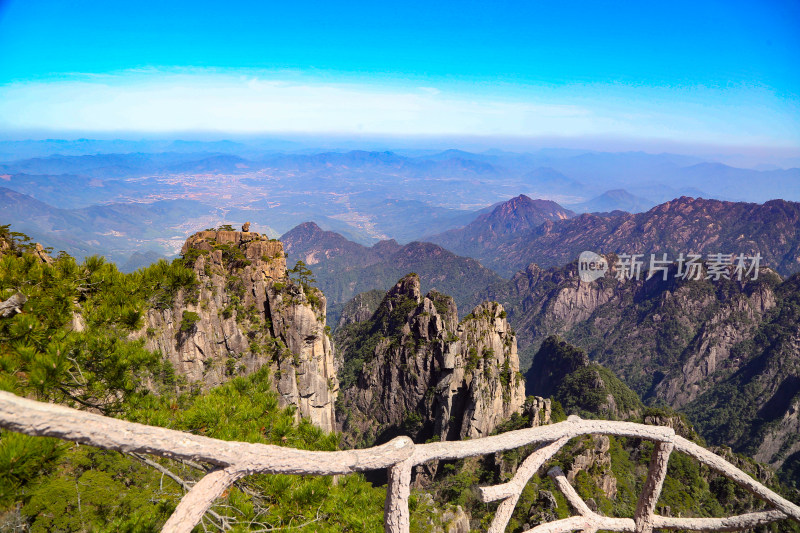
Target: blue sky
[(710, 72)]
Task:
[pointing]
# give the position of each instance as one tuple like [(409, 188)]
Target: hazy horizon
[(711, 78), (733, 155)]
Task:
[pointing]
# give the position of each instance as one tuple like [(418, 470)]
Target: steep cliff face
[(481, 374), (727, 352), (665, 338), (247, 312), (412, 368), (712, 349)]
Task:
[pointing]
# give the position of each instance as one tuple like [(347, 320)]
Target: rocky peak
[(311, 244), (247, 311), (553, 362), (414, 369), (517, 215), (408, 287), (305, 232), (522, 207), (231, 251)]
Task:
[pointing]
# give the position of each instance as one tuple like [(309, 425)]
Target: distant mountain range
[(685, 225), (370, 196), (615, 200), (344, 268), (112, 230), (521, 232)]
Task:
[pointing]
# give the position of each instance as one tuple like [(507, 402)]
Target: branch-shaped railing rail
[(234, 460)]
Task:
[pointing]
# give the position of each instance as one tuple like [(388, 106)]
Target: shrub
[(189, 321)]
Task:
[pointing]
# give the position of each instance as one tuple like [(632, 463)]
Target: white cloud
[(163, 101)]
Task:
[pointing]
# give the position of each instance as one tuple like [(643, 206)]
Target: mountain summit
[(519, 214), (511, 218)]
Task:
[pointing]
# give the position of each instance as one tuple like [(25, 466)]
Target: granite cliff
[(725, 352), (412, 368), (245, 312)]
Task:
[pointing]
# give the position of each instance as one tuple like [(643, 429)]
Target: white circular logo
[(591, 266)]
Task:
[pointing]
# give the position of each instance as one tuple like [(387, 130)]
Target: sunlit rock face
[(245, 313)]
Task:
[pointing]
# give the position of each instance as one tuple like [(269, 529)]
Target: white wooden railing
[(234, 460)]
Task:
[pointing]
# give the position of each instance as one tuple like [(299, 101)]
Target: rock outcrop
[(591, 455), (12, 305), (41, 254), (412, 368), (247, 312)]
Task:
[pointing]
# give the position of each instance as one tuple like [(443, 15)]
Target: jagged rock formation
[(246, 312), (41, 254), (412, 368), (726, 352), (344, 269), (592, 455)]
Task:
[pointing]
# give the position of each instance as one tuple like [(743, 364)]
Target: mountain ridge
[(344, 268), (683, 225)]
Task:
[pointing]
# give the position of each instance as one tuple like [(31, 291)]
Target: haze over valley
[(147, 202)]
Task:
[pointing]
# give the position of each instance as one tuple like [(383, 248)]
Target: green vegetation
[(188, 321), (16, 241), (41, 354), (595, 392), (303, 276), (365, 340), (51, 485)]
